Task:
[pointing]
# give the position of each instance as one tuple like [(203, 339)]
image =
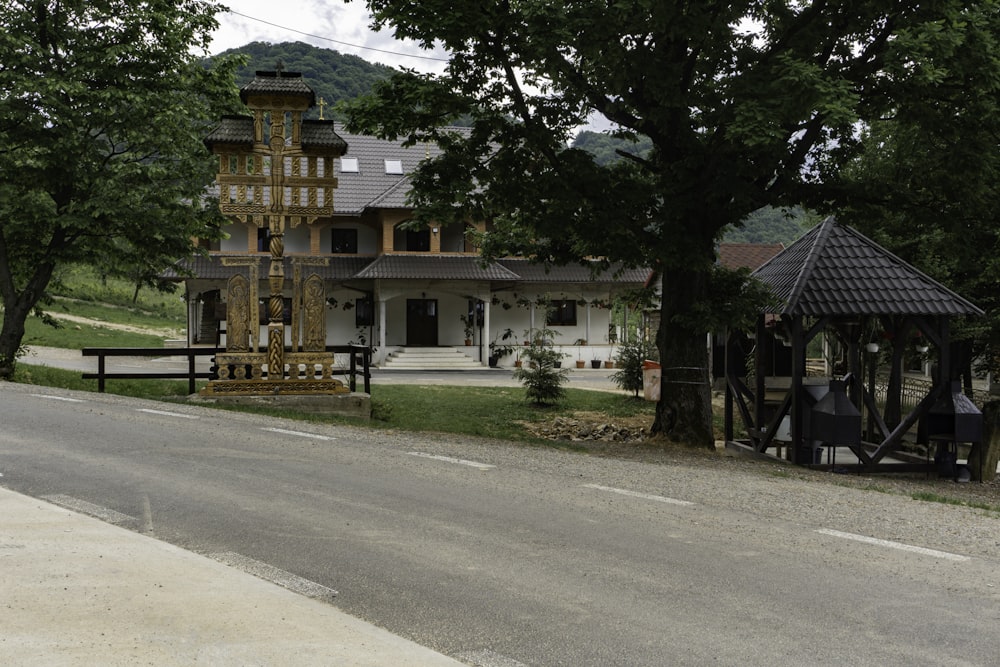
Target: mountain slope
[(333, 76)]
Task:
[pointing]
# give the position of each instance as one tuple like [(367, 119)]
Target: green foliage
[(628, 360), (101, 156), (334, 76), (541, 379), (925, 186), (738, 120)]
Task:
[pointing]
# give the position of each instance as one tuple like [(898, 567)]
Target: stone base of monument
[(357, 404)]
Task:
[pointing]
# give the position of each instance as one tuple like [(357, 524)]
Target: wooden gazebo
[(836, 282)]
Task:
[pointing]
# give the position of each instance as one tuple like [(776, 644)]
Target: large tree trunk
[(11, 335), (684, 412), (17, 307)]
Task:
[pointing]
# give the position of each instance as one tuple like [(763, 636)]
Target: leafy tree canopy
[(102, 113), (746, 104)]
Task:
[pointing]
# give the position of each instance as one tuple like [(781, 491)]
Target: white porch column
[(590, 341), (484, 338), (531, 323), (381, 330)]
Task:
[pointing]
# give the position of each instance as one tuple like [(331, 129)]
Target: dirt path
[(164, 332)]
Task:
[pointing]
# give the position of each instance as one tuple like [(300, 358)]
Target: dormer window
[(348, 165), (394, 167)]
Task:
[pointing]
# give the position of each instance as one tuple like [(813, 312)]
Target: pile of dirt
[(591, 427)]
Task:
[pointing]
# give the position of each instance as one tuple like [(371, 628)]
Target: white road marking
[(448, 459), (165, 413), (275, 575), (97, 511), (893, 545), (300, 434), (58, 398), (487, 658), (636, 494)]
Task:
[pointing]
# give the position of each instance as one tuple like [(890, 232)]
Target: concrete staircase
[(433, 359)]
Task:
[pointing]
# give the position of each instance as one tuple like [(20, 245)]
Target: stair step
[(431, 358)]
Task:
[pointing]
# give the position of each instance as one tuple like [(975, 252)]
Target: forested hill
[(334, 76)]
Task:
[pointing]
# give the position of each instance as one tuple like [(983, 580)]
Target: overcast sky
[(330, 24)]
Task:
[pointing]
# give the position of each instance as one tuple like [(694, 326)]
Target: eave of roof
[(529, 271), (434, 267)]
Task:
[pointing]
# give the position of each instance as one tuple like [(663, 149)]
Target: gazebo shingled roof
[(836, 279), (835, 270)]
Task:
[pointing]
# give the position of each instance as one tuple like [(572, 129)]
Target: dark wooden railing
[(102, 353)]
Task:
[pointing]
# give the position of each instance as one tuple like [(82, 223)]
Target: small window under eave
[(348, 165), (394, 167)]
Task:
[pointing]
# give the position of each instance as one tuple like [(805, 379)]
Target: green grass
[(85, 284), (72, 336), (474, 411), (486, 411), (130, 315), (165, 390), (930, 497)]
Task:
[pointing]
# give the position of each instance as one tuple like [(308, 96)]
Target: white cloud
[(317, 22)]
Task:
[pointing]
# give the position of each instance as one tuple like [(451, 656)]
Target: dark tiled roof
[(834, 270), (414, 267), (282, 83), (573, 273), (232, 130), (422, 267), (239, 130), (212, 268), (370, 186), (747, 255), (321, 134)]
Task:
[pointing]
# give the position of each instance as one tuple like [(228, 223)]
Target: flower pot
[(556, 364), (518, 363), (581, 363), (494, 362), (468, 342), (609, 364), (595, 363)]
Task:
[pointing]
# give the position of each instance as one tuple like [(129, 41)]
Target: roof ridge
[(822, 234)]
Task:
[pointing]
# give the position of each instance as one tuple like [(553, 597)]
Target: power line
[(335, 41)]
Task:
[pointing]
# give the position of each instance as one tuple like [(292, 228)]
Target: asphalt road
[(502, 555)]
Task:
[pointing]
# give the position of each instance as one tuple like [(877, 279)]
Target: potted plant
[(467, 323), (580, 363), (500, 347)]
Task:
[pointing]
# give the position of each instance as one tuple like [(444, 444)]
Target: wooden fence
[(352, 370)]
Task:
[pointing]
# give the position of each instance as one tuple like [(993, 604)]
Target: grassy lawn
[(475, 411), (72, 336)]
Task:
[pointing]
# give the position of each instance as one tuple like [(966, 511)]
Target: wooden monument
[(276, 172)]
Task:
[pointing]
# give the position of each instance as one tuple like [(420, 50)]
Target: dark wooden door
[(422, 322)]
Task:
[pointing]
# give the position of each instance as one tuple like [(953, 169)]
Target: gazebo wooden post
[(728, 416), (798, 399), (759, 419)]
